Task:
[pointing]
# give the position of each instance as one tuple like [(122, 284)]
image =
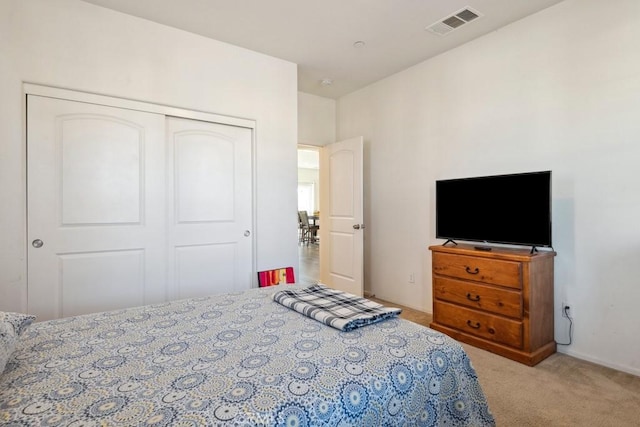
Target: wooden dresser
[(499, 300)]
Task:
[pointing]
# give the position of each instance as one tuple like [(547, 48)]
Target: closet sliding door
[(209, 233), (127, 207)]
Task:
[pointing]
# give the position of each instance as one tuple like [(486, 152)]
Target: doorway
[(339, 189), (309, 201)]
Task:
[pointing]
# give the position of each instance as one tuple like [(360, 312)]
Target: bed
[(237, 359)]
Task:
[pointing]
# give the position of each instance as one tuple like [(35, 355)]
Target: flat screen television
[(510, 209)]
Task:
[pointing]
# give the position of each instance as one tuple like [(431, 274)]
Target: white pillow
[(12, 325)]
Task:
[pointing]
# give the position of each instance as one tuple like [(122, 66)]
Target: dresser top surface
[(513, 254)]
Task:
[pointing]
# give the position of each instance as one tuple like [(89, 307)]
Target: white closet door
[(210, 220), (96, 207)]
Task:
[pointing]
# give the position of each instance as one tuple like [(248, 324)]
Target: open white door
[(341, 216)]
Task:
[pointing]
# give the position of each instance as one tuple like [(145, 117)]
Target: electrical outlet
[(412, 278), (565, 309)]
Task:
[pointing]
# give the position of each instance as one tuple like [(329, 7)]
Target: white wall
[(558, 90), (75, 45), (311, 176), (316, 119)]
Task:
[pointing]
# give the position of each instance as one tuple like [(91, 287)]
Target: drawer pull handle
[(492, 331), (471, 325), (474, 271), (476, 298)]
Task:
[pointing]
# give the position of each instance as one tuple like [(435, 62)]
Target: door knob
[(247, 233), (37, 243), (356, 226)]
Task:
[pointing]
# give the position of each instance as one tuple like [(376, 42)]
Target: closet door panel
[(128, 208), (204, 269), (96, 207), (204, 162), (210, 225), (102, 163)]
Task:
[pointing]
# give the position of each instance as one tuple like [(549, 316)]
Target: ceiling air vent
[(453, 22)]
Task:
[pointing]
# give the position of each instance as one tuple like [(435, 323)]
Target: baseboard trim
[(581, 356)]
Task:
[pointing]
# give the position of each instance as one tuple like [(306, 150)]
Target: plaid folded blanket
[(337, 309)]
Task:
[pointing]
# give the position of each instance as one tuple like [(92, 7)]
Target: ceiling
[(319, 36)]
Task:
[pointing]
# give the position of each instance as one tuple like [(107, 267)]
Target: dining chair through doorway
[(308, 231)]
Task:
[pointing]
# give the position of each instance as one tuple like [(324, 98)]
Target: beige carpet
[(559, 391)]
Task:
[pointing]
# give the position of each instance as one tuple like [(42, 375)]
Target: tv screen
[(510, 209)]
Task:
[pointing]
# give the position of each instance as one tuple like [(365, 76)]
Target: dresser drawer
[(487, 298), (486, 270), (484, 325)]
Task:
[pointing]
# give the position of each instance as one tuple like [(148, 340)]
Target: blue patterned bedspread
[(236, 359)]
